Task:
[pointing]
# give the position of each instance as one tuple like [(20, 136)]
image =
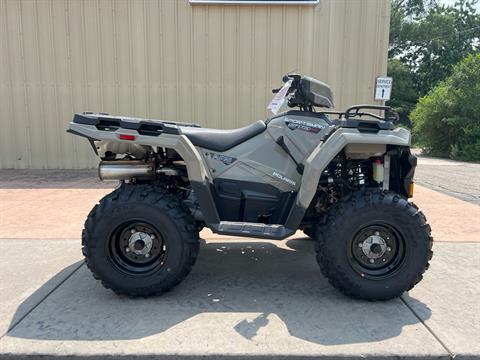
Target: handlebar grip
[(274, 91)]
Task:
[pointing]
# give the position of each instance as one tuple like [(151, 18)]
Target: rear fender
[(180, 143), (197, 173)]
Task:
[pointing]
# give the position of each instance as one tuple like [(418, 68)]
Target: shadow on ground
[(248, 286)]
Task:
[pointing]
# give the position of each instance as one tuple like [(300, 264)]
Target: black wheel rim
[(137, 248), (377, 251)]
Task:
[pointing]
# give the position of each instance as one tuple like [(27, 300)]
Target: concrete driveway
[(245, 298)]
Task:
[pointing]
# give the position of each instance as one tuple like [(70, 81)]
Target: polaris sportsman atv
[(342, 177)]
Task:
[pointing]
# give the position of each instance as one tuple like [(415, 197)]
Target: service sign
[(383, 88)]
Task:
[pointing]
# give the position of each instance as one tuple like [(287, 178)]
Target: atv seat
[(221, 140)]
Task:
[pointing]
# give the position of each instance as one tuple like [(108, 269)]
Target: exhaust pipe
[(126, 170)]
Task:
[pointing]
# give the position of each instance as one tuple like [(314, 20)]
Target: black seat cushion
[(221, 140)]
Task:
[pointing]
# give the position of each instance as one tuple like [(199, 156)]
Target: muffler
[(126, 170)]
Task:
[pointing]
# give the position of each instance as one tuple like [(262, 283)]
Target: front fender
[(326, 151)]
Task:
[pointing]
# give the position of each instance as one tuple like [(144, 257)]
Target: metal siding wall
[(167, 59)]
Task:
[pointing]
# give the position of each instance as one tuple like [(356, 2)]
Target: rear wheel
[(139, 241), (375, 245)]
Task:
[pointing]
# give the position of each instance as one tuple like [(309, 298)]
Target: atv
[(343, 177)]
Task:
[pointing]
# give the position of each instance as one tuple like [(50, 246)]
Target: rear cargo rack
[(148, 127)]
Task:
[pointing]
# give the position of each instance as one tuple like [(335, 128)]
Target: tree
[(402, 14), (430, 38), (404, 92), (447, 120), (426, 40), (444, 37)]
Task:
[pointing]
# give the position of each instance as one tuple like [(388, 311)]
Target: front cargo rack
[(356, 117), (389, 114)]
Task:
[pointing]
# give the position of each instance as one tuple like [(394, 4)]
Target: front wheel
[(375, 245), (139, 241)]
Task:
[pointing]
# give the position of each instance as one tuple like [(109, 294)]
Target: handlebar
[(298, 98), (295, 81)]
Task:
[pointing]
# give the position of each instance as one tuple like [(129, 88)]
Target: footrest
[(247, 229)]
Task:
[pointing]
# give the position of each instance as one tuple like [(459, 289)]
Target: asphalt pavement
[(455, 178)]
